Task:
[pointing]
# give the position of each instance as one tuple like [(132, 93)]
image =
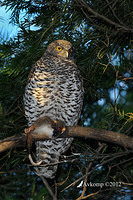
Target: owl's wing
[(39, 62), (31, 74)]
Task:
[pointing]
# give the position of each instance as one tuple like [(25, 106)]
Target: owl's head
[(61, 48)]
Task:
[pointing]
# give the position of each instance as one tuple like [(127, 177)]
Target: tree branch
[(75, 131), (47, 186), (83, 4)]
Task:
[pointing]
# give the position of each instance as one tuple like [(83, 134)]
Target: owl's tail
[(49, 152), (50, 160)]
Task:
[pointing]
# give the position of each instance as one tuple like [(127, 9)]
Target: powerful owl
[(54, 89)]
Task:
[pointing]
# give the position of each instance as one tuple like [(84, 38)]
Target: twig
[(101, 146), (114, 13), (122, 162), (89, 195), (126, 183), (47, 186), (85, 184), (97, 166), (61, 183)]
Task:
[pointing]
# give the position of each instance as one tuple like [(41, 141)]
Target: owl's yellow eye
[(58, 48)]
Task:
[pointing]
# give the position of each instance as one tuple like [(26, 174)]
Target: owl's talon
[(34, 163)]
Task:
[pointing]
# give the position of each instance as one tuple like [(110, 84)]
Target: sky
[(8, 30)]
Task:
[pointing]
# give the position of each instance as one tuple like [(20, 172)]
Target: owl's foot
[(59, 128)]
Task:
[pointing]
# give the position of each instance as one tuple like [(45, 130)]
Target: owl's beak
[(64, 54)]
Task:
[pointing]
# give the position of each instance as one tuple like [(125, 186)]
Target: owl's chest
[(53, 82), (56, 92)]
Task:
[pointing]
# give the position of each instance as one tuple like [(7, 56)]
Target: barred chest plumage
[(54, 89)]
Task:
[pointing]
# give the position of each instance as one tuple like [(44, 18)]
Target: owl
[(54, 89)]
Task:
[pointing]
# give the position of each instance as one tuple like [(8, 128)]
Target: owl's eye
[(58, 48)]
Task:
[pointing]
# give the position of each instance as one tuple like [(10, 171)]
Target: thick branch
[(77, 131), (102, 135)]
